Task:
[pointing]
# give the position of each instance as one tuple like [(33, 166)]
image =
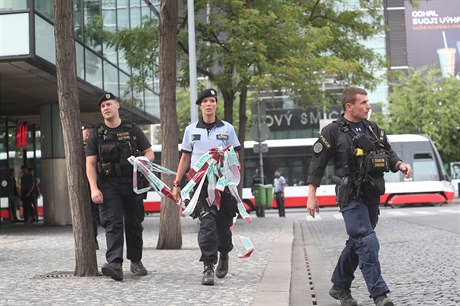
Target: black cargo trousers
[(215, 234), (121, 213)]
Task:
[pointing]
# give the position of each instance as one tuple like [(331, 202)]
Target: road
[(419, 255)]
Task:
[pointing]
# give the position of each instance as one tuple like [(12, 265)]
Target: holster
[(343, 190)]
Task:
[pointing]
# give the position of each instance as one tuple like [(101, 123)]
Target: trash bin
[(259, 195), (268, 195)]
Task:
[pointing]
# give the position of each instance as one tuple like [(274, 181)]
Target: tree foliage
[(294, 45), (265, 45), (423, 102), (248, 46)]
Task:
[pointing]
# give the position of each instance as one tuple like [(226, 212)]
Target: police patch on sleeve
[(318, 147)]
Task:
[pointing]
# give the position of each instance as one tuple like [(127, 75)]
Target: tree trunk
[(170, 235), (242, 131), (228, 96), (69, 111)]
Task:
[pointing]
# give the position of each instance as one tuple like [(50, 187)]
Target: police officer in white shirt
[(214, 235)]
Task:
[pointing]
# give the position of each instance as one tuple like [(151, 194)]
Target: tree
[(170, 230), (265, 45), (423, 102), (254, 45), (69, 111), (248, 46)]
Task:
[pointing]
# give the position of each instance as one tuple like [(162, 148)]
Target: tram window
[(391, 177), (424, 167)]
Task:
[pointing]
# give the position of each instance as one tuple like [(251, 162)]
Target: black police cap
[(210, 92), (107, 96)]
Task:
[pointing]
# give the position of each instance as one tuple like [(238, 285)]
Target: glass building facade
[(98, 63), (28, 76)]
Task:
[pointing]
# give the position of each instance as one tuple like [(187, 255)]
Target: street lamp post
[(192, 60)]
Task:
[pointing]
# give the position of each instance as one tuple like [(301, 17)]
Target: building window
[(44, 7), (13, 5)]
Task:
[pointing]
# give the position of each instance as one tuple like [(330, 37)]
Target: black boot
[(342, 295), (208, 274), (138, 268), (222, 266), (114, 270), (383, 300)]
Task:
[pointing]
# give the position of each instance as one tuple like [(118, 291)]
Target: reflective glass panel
[(152, 103), (79, 54), (44, 7), (111, 78), (122, 14), (135, 13), (93, 65), (110, 54), (11, 5), (125, 90), (78, 19), (44, 40), (92, 19), (109, 14)]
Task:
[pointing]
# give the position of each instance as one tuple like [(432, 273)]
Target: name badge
[(222, 136), (196, 137)]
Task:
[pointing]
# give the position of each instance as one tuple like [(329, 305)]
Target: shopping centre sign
[(285, 119)]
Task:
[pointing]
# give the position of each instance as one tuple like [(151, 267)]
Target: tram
[(429, 184)]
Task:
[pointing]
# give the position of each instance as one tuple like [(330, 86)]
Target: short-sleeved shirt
[(139, 138), (278, 183), (198, 139)]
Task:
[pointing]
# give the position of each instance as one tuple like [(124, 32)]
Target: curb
[(275, 286)]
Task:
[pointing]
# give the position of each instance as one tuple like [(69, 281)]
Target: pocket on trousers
[(229, 204)]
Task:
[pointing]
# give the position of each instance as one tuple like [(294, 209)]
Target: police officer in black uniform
[(361, 154), (215, 234), (109, 173)]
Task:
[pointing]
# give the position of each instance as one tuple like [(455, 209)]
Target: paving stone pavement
[(420, 266), (37, 263)]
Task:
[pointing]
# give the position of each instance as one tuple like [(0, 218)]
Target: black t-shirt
[(139, 138), (358, 127)]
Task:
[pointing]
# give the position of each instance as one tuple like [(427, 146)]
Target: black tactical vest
[(364, 161), (114, 147), (347, 159)]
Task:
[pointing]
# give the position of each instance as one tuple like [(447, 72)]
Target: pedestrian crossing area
[(396, 212)]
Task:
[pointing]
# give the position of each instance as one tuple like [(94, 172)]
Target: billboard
[(433, 35)]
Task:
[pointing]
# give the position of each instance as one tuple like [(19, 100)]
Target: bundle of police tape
[(221, 168)]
